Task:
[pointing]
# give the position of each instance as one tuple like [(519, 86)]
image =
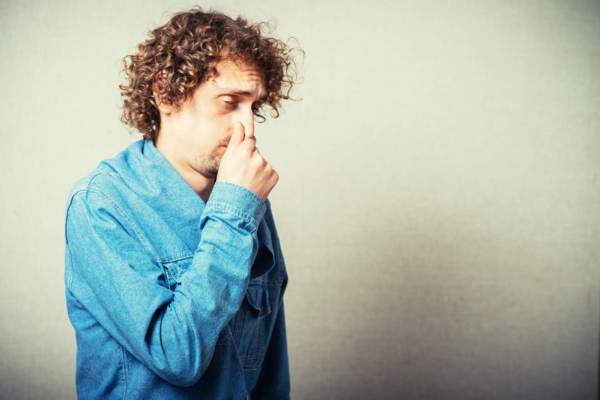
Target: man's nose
[(247, 119)]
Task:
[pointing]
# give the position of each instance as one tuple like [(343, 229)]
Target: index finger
[(248, 133)]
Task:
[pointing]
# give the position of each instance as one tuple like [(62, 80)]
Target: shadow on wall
[(448, 308)]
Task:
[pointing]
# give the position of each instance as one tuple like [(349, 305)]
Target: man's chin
[(210, 173)]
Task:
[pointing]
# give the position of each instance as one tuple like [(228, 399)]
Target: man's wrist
[(237, 200)]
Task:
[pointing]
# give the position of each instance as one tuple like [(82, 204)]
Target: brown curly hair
[(179, 55)]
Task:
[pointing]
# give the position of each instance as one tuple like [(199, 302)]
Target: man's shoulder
[(112, 177), (97, 181)]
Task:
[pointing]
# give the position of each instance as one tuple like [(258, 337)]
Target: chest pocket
[(252, 325), (254, 321)]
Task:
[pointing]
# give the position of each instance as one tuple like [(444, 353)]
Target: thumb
[(237, 137)]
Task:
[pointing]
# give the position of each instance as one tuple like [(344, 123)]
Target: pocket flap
[(258, 298)]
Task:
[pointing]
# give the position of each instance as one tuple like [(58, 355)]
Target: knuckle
[(260, 159)]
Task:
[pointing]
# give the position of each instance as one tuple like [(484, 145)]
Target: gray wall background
[(438, 202)]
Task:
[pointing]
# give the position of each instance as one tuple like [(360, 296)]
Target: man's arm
[(114, 275)]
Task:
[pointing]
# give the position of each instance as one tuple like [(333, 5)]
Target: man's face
[(195, 137)]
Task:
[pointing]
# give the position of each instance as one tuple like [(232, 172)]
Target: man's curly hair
[(179, 55)]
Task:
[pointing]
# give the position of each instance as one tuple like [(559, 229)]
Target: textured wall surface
[(439, 202)]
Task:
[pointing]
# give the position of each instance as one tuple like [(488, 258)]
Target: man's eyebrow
[(241, 93)]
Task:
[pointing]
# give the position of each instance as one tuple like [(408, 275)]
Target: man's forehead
[(238, 92), (240, 78)]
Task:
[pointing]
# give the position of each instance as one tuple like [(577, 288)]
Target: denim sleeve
[(115, 276)]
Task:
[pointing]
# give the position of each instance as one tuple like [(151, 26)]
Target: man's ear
[(163, 105), (158, 86)]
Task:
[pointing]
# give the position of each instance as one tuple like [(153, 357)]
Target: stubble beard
[(208, 165)]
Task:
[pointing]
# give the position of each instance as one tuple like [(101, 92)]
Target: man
[(174, 273)]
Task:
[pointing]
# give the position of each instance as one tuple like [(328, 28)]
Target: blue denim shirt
[(172, 298)]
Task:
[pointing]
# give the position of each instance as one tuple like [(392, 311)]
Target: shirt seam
[(139, 234), (235, 211)]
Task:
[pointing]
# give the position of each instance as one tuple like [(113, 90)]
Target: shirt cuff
[(237, 200)]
